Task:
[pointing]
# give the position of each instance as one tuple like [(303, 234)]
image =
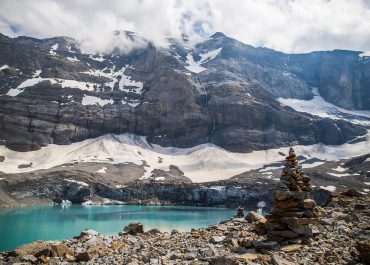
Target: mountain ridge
[(221, 91)]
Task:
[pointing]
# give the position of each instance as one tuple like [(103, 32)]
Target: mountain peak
[(218, 35)]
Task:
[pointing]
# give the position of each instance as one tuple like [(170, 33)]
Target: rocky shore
[(342, 236)]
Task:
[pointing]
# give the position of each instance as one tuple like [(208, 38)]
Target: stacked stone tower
[(294, 211)]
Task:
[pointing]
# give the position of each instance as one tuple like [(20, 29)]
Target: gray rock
[(253, 216), (217, 239), (30, 258)]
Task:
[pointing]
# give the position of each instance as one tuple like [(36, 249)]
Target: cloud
[(285, 25)]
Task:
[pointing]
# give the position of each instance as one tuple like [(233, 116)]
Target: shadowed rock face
[(231, 103)]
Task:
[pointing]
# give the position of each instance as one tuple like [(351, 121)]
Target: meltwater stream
[(22, 225)]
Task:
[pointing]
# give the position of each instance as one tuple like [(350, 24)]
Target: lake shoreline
[(339, 238)]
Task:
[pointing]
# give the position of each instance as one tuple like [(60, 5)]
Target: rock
[(2, 159), (304, 230), (83, 256), (217, 239), (260, 246), (175, 232), (284, 233), (309, 204), (246, 258), (36, 248), (153, 231), (363, 248), (276, 260), (223, 260), (290, 248), (294, 221), (352, 192), (259, 227), (61, 250), (134, 229), (253, 216), (30, 258), (190, 256)]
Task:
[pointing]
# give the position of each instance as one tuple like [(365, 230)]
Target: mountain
[(221, 91)]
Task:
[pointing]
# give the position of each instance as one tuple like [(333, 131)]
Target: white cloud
[(285, 25)]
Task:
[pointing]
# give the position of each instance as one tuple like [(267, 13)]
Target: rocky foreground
[(341, 236)]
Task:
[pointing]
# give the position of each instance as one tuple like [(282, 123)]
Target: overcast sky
[(284, 25)]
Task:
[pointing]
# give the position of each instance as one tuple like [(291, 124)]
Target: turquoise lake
[(22, 225)]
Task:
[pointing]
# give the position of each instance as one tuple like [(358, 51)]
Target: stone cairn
[(294, 211)]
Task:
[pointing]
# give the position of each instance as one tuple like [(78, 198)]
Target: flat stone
[(223, 260), (302, 230), (327, 221), (276, 260), (294, 221), (268, 245), (249, 257), (190, 256), (217, 239), (32, 248), (291, 248), (288, 203), (284, 233), (30, 258)]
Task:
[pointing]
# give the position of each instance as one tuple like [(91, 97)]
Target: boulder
[(134, 229), (36, 248), (253, 216), (309, 204), (352, 192), (61, 250), (29, 258), (83, 256)]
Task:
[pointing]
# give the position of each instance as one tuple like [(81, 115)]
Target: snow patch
[(311, 165), (102, 170), (329, 188), (53, 49), (72, 59), (4, 67), (159, 178), (196, 66), (78, 182), (319, 107), (91, 100), (367, 183), (340, 169), (339, 175), (99, 58), (364, 54), (126, 84), (202, 163)]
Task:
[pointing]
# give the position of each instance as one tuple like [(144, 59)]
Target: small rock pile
[(294, 210)]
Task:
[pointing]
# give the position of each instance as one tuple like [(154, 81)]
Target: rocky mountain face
[(221, 91)]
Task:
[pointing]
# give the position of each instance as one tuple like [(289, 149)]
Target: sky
[(292, 26)]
